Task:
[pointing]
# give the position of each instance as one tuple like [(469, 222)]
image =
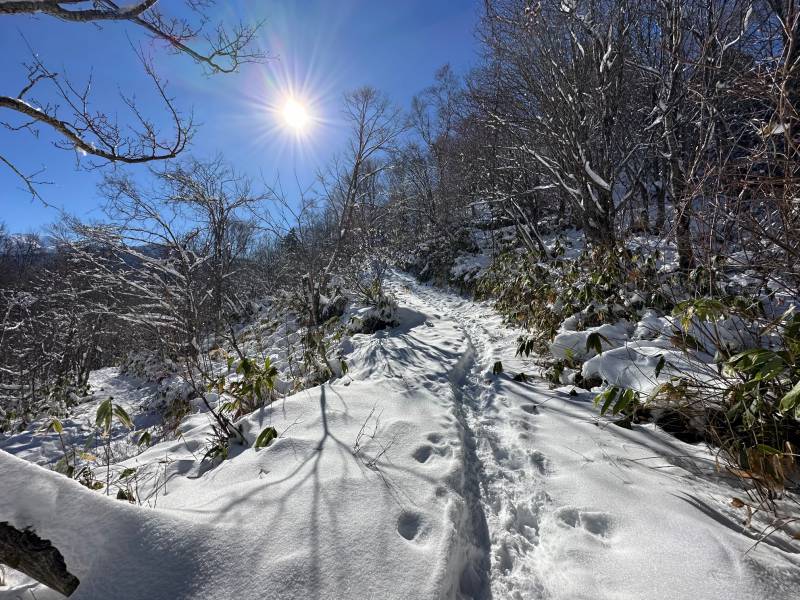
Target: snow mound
[(572, 344), (634, 365), (363, 486)]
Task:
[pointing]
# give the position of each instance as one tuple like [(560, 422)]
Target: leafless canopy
[(65, 107)]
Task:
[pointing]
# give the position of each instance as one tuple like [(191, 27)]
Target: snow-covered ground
[(420, 474), (42, 446)]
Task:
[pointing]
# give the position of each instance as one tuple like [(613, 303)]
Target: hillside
[(419, 460)]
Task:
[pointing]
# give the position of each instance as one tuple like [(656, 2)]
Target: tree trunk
[(661, 206), (37, 558), (683, 237), (598, 220)]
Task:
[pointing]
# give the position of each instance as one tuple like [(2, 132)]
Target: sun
[(295, 115)]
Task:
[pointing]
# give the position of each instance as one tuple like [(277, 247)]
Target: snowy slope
[(43, 447), (462, 484)]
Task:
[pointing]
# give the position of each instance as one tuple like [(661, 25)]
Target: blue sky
[(320, 49)]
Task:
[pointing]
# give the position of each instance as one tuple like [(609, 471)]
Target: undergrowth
[(741, 394)]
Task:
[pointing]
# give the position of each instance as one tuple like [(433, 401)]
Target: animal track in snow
[(412, 526), (593, 522), (424, 453)]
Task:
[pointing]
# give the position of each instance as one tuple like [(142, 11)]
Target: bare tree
[(218, 201), (565, 72), (433, 174), (375, 126), (65, 107)]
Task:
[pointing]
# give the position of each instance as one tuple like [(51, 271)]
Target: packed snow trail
[(579, 509), (419, 475)]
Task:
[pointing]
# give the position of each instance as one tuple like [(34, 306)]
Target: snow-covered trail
[(577, 509), (419, 475)]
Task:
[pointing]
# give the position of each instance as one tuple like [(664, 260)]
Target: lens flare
[(295, 115)]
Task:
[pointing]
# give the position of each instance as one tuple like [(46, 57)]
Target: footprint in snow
[(412, 526), (521, 424), (596, 523), (424, 453), (540, 462), (434, 438)]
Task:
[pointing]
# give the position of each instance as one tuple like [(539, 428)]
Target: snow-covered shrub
[(174, 389), (334, 307), (148, 365), (434, 259), (546, 294), (731, 374), (380, 315), (166, 373), (468, 269)]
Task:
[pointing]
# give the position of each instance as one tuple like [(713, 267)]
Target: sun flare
[(295, 115)]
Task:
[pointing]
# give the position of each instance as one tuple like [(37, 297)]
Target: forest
[(598, 223)]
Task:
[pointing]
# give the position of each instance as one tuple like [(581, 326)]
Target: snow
[(634, 365), (652, 326), (417, 475), (470, 267), (599, 181), (136, 397), (572, 344)]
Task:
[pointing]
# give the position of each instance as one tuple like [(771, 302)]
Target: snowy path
[(577, 510), (467, 485), (509, 471)]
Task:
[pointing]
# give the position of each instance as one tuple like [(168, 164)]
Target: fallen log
[(26, 552)]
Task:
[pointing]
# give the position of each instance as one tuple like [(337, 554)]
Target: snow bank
[(470, 267), (572, 344), (361, 494), (634, 365), (116, 550), (652, 326)]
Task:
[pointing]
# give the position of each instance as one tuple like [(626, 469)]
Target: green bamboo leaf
[(624, 401), (595, 342), (103, 416), (607, 397), (791, 400), (265, 438), (56, 425), (122, 416), (127, 473)]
